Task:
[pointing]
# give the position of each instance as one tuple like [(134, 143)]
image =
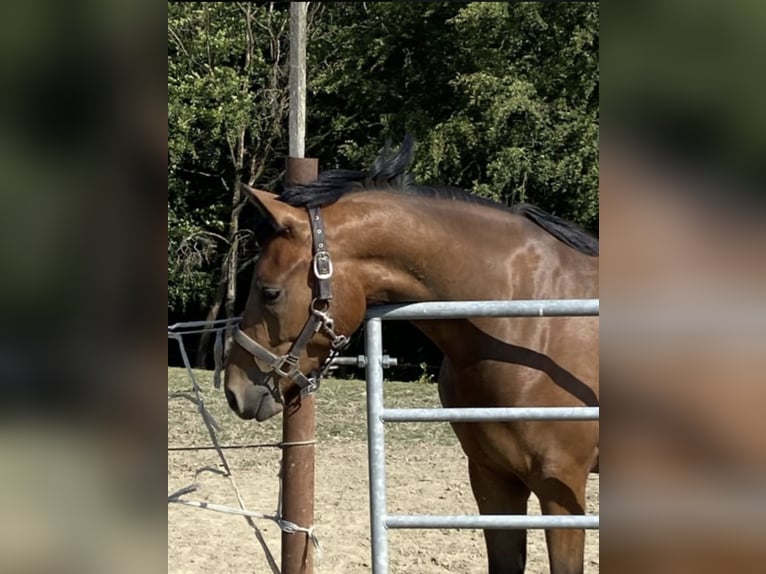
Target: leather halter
[(318, 320)]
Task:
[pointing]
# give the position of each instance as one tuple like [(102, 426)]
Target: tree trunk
[(233, 259), (226, 294), (212, 313)]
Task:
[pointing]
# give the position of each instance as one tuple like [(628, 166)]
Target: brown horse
[(391, 240)]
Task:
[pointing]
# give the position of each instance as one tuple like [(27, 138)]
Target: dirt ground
[(421, 479)]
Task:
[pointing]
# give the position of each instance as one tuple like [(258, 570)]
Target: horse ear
[(260, 199), (277, 214)]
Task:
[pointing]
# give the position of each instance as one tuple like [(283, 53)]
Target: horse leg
[(500, 494), (566, 546)]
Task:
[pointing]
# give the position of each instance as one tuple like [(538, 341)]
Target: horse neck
[(406, 249), (409, 248)]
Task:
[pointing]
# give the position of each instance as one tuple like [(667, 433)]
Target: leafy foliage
[(227, 100), (502, 99)]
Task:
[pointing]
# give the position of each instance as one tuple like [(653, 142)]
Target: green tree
[(529, 77), (502, 98), (227, 104)]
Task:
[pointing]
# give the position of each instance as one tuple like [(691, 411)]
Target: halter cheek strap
[(319, 319), (322, 264)]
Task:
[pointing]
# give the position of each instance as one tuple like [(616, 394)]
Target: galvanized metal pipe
[(209, 325), (491, 414), (464, 309), (361, 361), (376, 446), (498, 521)]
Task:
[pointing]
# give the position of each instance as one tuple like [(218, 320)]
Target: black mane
[(388, 172)]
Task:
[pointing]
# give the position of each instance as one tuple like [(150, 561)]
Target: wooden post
[(299, 417), (297, 79), (298, 425)]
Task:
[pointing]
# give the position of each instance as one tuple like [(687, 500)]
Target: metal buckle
[(339, 342), (311, 388), (326, 321), (322, 265), (289, 360)]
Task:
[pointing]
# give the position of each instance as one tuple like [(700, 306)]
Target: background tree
[(501, 98), (226, 111)]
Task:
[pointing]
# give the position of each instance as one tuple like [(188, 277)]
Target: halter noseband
[(318, 320)]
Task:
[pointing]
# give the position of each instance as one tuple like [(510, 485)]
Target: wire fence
[(221, 328)]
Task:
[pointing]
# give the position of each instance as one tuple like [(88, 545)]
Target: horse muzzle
[(250, 400)]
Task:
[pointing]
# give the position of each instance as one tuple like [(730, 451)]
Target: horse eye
[(270, 294)]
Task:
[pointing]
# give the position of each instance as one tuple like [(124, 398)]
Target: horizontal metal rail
[(207, 325), (465, 309), (489, 521), (491, 414), (361, 361)]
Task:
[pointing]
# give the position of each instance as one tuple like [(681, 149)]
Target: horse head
[(302, 306)]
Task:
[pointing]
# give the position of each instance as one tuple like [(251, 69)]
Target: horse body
[(400, 247), (486, 254)]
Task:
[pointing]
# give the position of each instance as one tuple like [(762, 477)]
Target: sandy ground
[(421, 479)]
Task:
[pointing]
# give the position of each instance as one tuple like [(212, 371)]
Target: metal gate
[(378, 415)]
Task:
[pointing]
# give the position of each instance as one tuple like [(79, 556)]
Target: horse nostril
[(232, 400)]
